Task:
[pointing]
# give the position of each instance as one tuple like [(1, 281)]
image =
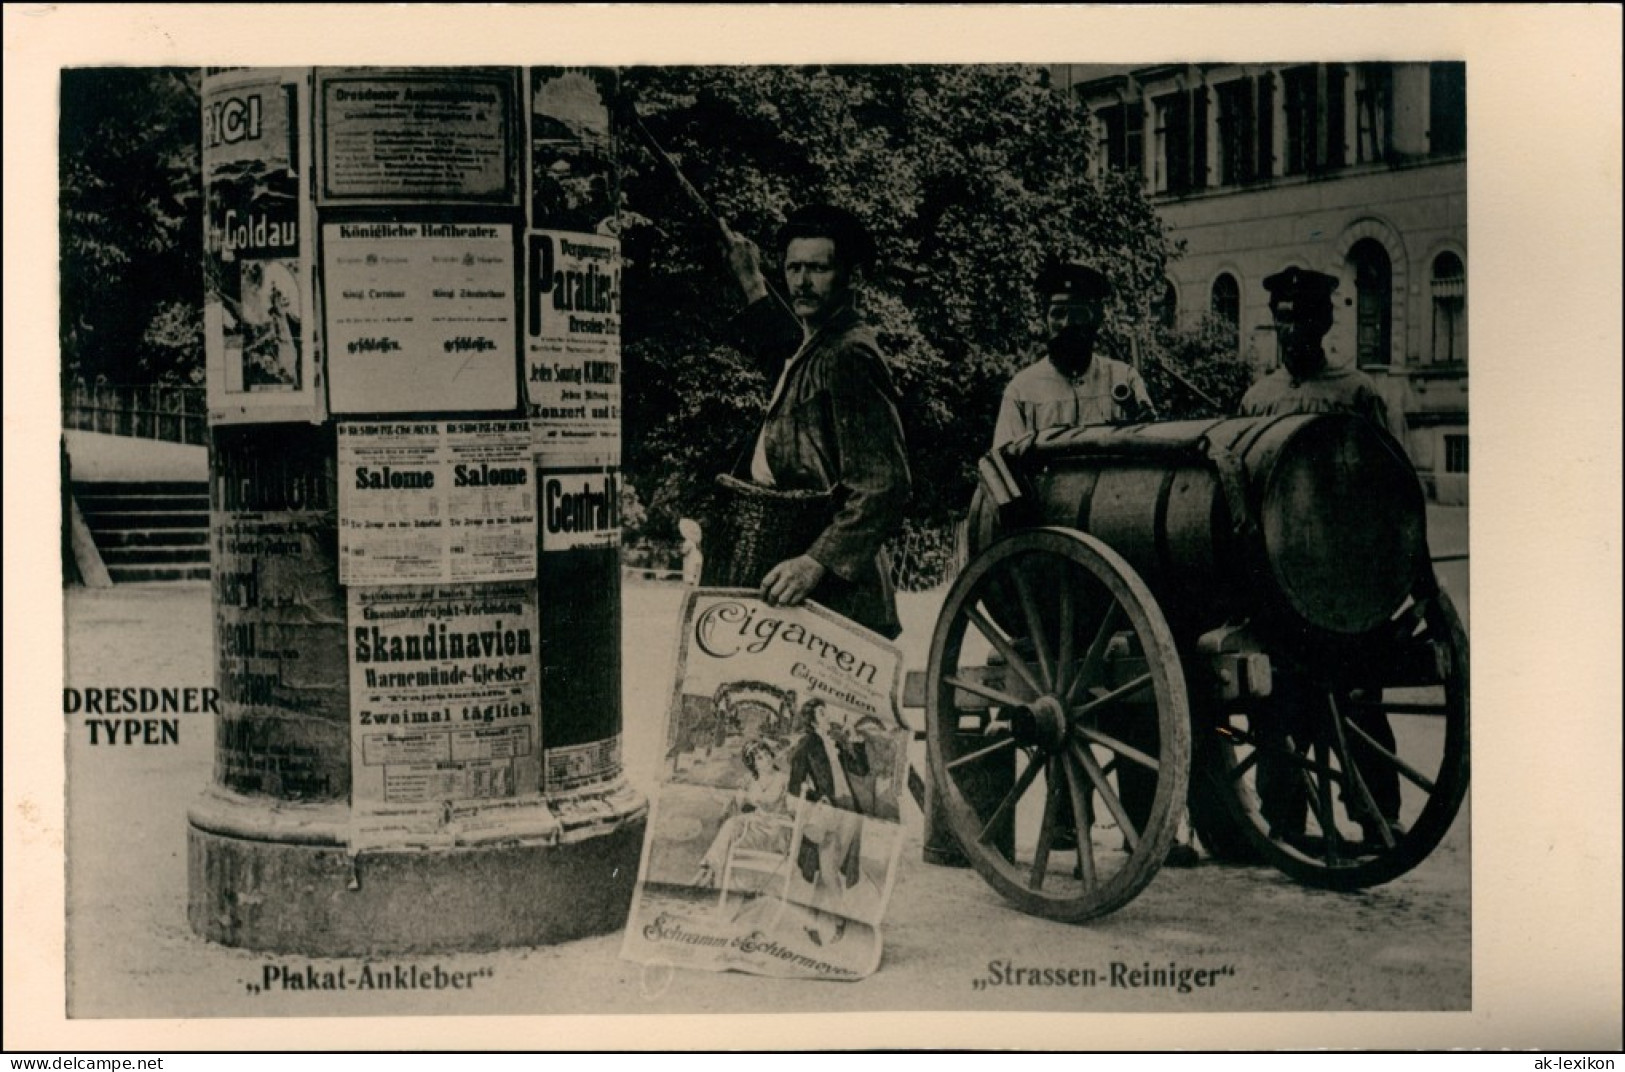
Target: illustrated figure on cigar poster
[(774, 837), (802, 518)]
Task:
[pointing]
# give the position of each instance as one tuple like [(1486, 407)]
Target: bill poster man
[(832, 424)]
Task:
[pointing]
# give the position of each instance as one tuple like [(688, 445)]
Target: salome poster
[(435, 501)]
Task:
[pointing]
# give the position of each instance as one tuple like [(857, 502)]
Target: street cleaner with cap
[(1301, 305), (1071, 385)]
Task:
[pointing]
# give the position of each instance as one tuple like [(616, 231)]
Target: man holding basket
[(832, 439)]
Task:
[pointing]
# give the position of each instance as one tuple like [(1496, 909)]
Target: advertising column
[(415, 582), (572, 380)]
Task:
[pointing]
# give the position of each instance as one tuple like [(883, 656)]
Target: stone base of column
[(281, 879)]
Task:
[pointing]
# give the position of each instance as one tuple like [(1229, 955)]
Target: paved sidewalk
[(1402, 946)]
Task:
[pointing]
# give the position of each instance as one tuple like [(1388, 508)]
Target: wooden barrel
[(1317, 518)]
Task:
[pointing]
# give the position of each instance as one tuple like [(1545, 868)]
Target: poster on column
[(418, 135), (573, 339), (435, 501), (574, 175), (580, 507), (444, 706), (579, 531), (257, 279), (420, 316), (580, 495), (278, 615), (775, 831)]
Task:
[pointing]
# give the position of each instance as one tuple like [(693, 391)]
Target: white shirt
[(1040, 396), (760, 471)]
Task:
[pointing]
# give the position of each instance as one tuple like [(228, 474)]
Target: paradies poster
[(435, 501), (444, 707), (573, 339), (774, 834)]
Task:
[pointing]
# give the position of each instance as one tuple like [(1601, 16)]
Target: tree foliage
[(1195, 371), (968, 176), (131, 225)]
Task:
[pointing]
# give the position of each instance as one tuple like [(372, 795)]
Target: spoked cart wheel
[(1351, 778), (1058, 727)]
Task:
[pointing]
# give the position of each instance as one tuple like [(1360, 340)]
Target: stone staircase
[(148, 531)]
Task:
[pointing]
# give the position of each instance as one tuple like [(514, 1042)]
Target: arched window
[(1449, 309), (1374, 313), (1166, 308), (1227, 305)]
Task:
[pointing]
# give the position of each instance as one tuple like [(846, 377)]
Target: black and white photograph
[(989, 529)]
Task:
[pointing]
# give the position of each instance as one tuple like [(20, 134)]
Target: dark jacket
[(813, 777), (835, 428)]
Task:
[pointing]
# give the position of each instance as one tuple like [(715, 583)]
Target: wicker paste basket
[(750, 529)]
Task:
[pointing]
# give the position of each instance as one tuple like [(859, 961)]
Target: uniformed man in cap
[(1071, 385), (832, 424), (1301, 303)]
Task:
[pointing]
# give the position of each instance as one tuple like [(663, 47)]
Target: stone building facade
[(1354, 169)]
